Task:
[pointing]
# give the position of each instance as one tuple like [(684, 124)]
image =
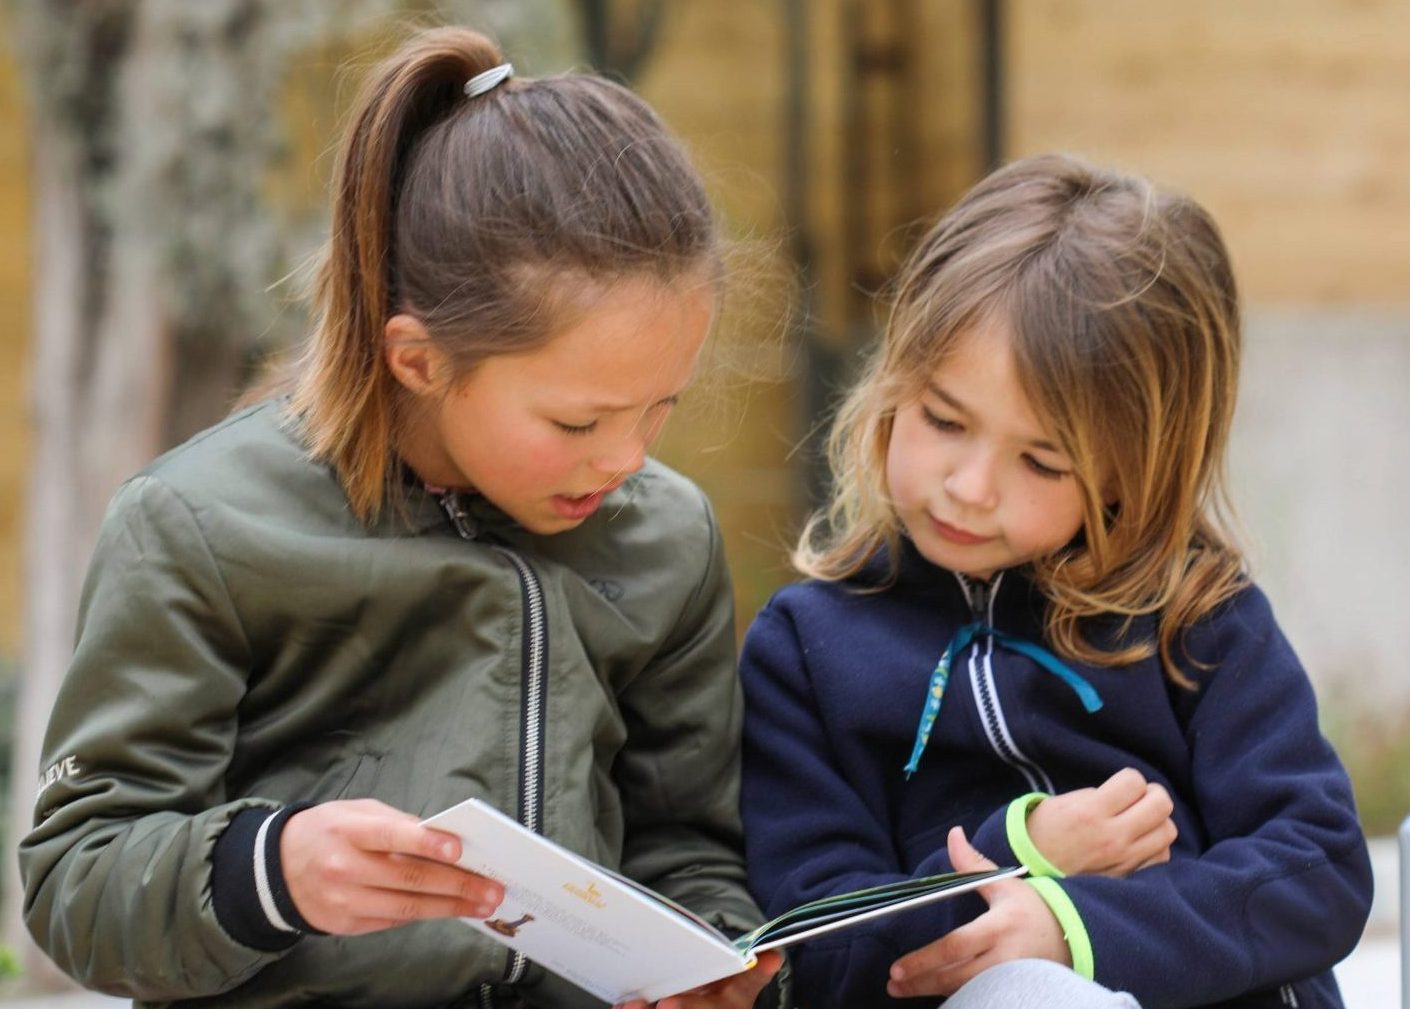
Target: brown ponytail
[(453, 209), (345, 390)]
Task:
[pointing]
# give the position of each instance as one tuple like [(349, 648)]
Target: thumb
[(966, 858), (963, 855)]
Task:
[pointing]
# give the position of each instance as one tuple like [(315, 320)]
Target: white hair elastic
[(489, 80)]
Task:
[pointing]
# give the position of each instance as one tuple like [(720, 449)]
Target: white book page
[(602, 932)]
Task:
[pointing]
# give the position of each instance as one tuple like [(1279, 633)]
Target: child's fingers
[(343, 878), (374, 826), (1149, 811), (402, 906), (458, 890), (966, 858), (349, 905), (1154, 848), (955, 947), (1121, 791), (963, 855), (393, 832), (1150, 829), (943, 982), (932, 969), (739, 991), (434, 879), (767, 965)]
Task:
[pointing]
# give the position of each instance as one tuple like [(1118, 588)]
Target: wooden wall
[(887, 120), (1288, 118), (14, 338)]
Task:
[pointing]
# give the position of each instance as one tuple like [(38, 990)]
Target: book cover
[(620, 940)]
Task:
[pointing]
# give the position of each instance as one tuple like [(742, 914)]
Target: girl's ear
[(414, 361)]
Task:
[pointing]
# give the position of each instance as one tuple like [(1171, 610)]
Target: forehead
[(980, 374), (978, 351), (625, 342)]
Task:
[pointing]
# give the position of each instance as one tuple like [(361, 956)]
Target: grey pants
[(1036, 984)]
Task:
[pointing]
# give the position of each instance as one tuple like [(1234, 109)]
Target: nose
[(625, 456), (973, 481)]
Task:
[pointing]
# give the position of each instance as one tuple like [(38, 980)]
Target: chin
[(548, 525), (943, 555), (952, 560)]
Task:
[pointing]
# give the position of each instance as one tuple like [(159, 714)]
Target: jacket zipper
[(533, 699), (986, 695)]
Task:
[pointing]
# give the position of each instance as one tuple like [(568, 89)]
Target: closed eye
[(940, 423), (575, 428), (1047, 472)]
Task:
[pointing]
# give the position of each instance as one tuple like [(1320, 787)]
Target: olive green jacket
[(245, 641)]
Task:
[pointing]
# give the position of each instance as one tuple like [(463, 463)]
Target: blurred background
[(163, 174)]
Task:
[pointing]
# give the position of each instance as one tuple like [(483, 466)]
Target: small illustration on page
[(509, 928)]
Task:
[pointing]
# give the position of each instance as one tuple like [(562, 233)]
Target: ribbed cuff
[(1074, 932), (1016, 826), (248, 891)]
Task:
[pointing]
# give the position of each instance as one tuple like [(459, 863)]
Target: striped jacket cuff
[(248, 891)]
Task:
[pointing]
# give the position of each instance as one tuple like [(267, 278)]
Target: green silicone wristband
[(1079, 943), (1016, 826)]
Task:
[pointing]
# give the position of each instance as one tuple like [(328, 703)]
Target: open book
[(620, 940)]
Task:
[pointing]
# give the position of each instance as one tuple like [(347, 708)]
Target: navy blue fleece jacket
[(1268, 884)]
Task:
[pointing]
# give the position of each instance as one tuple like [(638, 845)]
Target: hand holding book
[(343, 862), (1018, 925), (624, 943), (738, 991)]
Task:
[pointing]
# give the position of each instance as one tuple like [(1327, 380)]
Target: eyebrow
[(1039, 443), (670, 400)]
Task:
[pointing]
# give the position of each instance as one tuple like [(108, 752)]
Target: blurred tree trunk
[(155, 128)]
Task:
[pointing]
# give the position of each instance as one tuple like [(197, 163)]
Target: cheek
[(514, 461), (544, 456), (904, 474), (897, 475), (1053, 518)]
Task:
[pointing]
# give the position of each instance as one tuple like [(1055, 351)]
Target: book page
[(608, 935), (848, 909)]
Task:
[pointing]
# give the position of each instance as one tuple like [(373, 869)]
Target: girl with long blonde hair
[(1028, 633)]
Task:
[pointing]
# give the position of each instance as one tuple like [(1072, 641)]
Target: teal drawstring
[(1091, 700)]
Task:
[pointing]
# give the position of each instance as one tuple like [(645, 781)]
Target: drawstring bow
[(962, 639)]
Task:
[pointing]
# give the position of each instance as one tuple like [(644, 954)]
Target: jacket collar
[(1009, 600), (408, 507), (413, 507)]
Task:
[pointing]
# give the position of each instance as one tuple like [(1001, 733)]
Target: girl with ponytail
[(437, 564)]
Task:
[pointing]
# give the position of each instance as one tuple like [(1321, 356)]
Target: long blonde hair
[(1124, 320), (479, 216)]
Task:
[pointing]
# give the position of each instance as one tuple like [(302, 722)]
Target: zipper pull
[(982, 594), (975, 593), (979, 595), (465, 525)]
